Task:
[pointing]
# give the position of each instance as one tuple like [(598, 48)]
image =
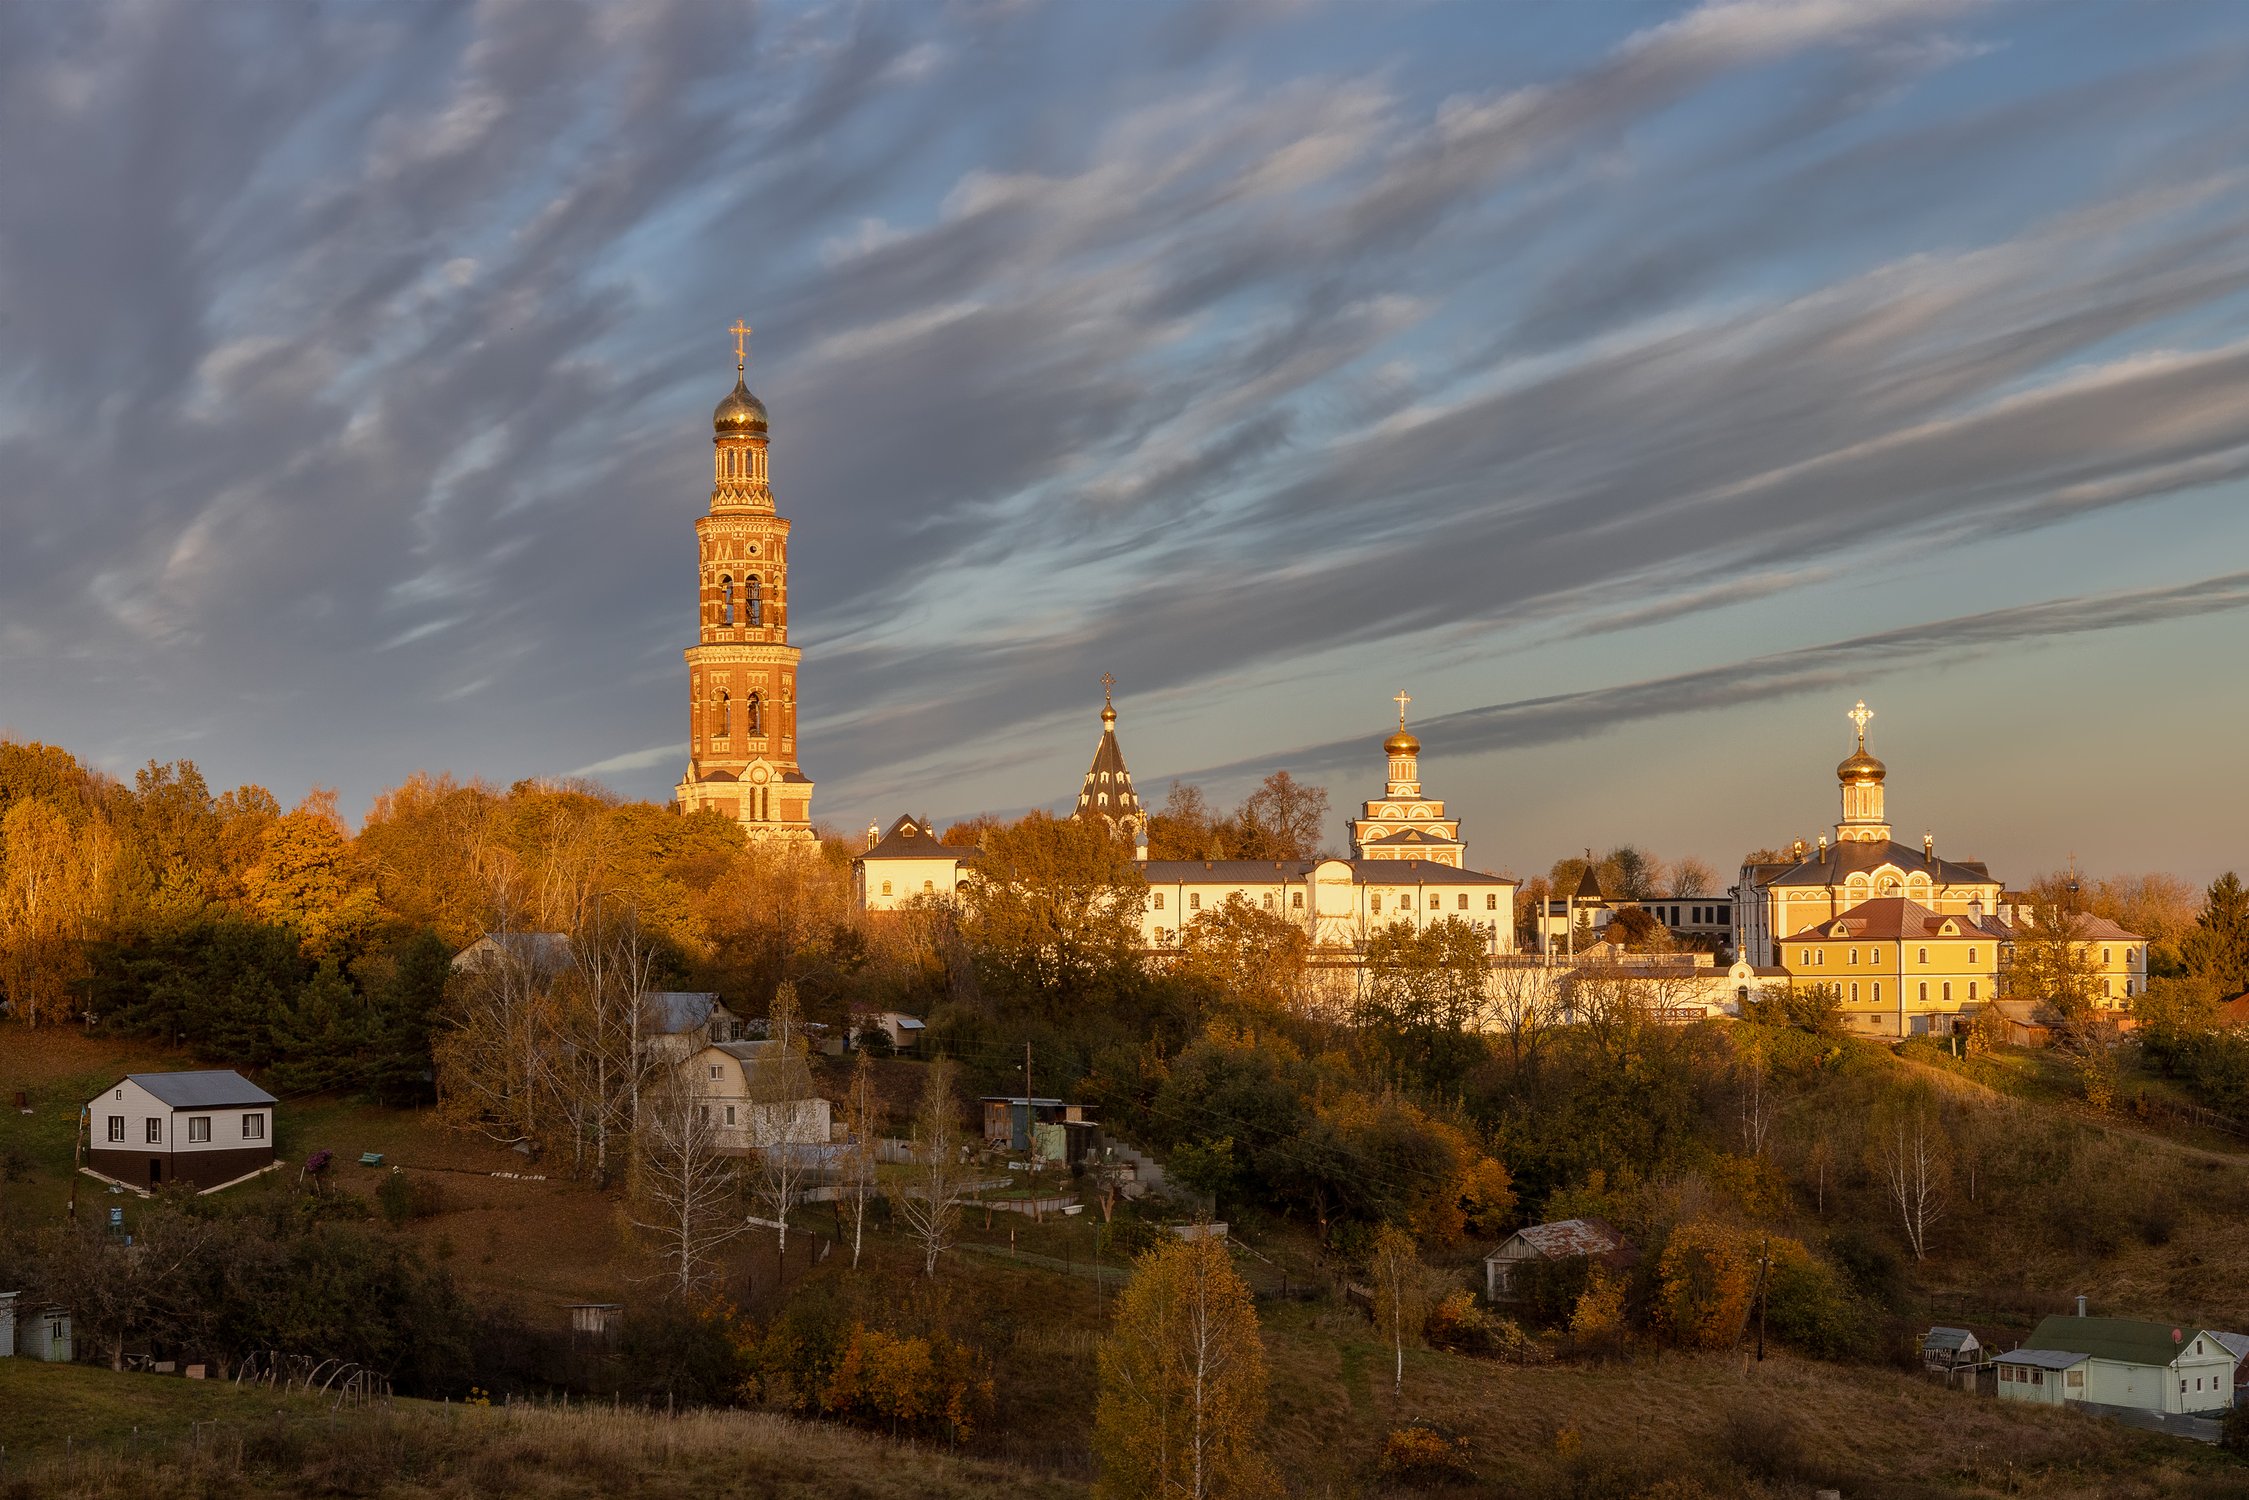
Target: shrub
[(402, 1198), (1459, 1324), (1808, 1307), (1422, 1455), (1704, 1284), (1767, 1444), (1597, 1322), (2234, 1435)]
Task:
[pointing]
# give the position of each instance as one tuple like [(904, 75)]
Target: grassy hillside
[(262, 1445)]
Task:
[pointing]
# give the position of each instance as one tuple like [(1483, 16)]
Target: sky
[(1635, 385)]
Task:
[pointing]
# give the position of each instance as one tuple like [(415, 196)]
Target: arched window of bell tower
[(726, 599), (754, 598), (721, 714), (756, 711), (730, 463)]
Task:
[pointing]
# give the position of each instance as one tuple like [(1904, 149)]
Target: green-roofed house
[(2159, 1367)]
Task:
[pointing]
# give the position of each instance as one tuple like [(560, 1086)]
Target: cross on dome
[(1859, 715), (1405, 698), (741, 332), (1108, 682)]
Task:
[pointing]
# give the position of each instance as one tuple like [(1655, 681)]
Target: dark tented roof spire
[(1107, 793)]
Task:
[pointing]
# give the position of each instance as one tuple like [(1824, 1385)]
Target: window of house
[(1854, 955), (1854, 992), (156, 1132), (886, 888), (1948, 992), (117, 1128), (1820, 959), (1924, 996), (2077, 1378), (1877, 992), (253, 1127), (1971, 989), (1374, 903), (1296, 900), (1921, 956), (929, 887), (1268, 900), (706, 1110), (1194, 900), (198, 1129), (1464, 901), (2038, 1377), (729, 1114), (1971, 955), (716, 1070), (1158, 898), (1807, 955), (1491, 902)]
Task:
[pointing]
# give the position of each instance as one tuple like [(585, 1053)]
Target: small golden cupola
[(1861, 777)]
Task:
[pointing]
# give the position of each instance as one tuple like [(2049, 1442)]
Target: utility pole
[(1764, 1260), (1030, 1114)]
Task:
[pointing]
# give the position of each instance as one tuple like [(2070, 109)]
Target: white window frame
[(253, 1127), (199, 1130), (117, 1129)]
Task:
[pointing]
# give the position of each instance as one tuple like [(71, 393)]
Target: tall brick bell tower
[(742, 671)]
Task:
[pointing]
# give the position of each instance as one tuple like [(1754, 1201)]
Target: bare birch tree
[(862, 1114), (1524, 1011), (1909, 1157), (932, 1204), (1751, 1077), (686, 1198), (783, 1121), (492, 1055)]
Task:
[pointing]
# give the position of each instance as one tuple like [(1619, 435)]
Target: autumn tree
[(311, 880), (55, 872), (1183, 1382), (1282, 819), (1257, 958), (1053, 909), (2050, 964), (931, 1203), (1401, 1294), (1707, 1277), (1422, 998)]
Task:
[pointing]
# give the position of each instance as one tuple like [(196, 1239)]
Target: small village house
[(2126, 1362), (2237, 1345), (1944, 1350), (903, 1032), (906, 864), (676, 1023), (1049, 1128), (754, 1100), (1562, 1240), (541, 955), (35, 1331), (207, 1129)]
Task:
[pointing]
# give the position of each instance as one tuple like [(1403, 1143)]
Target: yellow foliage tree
[(54, 878), (1183, 1382), (1707, 1278), (310, 877)]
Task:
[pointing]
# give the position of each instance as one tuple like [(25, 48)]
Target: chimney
[(2081, 1304), (874, 833), (1823, 846), (1929, 847)]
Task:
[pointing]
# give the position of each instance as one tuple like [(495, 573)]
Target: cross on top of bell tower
[(1859, 715), (741, 332), (1402, 700)]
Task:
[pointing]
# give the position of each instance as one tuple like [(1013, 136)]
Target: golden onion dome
[(739, 414), (1402, 743), (1860, 767)]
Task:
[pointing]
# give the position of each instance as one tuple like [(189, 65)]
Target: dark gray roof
[(1844, 859), (1588, 886), (1410, 838), (1947, 1338), (2044, 1359), (1223, 871), (1108, 793), (674, 1011), (910, 838), (1419, 872), (1272, 871), (218, 1088)]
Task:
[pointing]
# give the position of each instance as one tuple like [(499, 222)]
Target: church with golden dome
[(1809, 884), (742, 671), (1403, 823)]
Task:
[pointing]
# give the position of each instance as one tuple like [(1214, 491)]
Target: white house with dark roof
[(207, 1129), (906, 863)]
